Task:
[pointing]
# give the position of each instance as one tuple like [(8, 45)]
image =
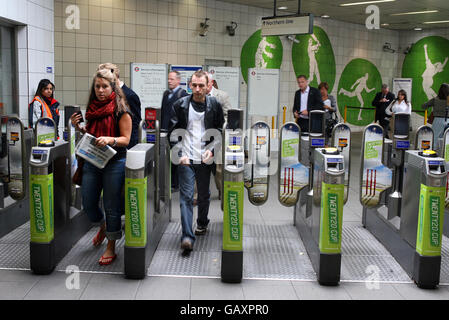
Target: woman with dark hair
[(43, 105), (440, 112), (399, 105), (109, 120), (330, 107)]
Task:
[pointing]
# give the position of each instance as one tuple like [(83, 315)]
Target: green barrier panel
[(331, 217), (41, 208), (136, 212), (430, 223), (233, 216)]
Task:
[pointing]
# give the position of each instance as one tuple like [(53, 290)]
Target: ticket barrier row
[(403, 195), (328, 169)]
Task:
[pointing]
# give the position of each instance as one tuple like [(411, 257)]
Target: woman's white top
[(396, 107)]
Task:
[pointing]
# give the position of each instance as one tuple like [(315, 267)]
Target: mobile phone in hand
[(79, 112)]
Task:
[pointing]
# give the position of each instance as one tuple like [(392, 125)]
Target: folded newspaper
[(87, 150)]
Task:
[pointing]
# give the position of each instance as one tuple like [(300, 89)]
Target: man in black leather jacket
[(194, 115)]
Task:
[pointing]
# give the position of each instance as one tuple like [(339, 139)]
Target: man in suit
[(381, 102), (306, 99), (173, 94), (170, 96), (133, 102)]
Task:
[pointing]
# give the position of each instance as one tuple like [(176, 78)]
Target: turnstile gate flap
[(293, 176), (45, 129), (257, 170), (375, 176), (424, 138), (444, 153)]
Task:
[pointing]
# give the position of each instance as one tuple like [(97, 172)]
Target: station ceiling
[(356, 13)]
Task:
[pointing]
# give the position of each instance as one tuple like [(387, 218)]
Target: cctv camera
[(204, 28), (231, 28), (292, 38)]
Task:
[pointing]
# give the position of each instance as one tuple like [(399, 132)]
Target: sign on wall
[(403, 84), (427, 64), (261, 53), (313, 56), (186, 73), (149, 81), (228, 80), (263, 92), (359, 83)]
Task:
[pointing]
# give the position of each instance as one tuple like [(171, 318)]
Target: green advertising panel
[(261, 52), (314, 57), (136, 212), (427, 65), (359, 83), (41, 208), (331, 218), (430, 223), (46, 136), (233, 216)]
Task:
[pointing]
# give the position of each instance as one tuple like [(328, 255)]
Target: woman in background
[(44, 104), (440, 112)]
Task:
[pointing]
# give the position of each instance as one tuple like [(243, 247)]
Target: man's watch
[(115, 142)]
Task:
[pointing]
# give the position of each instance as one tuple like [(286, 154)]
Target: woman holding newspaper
[(108, 120)]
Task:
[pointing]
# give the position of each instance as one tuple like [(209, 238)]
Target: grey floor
[(22, 284)]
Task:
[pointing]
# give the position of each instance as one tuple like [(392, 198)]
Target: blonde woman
[(108, 119)]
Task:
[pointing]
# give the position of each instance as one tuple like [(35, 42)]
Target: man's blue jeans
[(110, 179), (187, 177)]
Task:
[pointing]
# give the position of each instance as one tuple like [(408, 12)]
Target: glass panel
[(8, 87)]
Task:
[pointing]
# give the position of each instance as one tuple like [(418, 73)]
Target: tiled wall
[(35, 44), (152, 31)]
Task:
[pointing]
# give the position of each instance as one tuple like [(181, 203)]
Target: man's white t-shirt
[(193, 146)]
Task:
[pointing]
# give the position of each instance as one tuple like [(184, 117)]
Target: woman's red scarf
[(100, 117)]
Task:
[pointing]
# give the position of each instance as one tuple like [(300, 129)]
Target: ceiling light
[(415, 12), (283, 8), (442, 21), (364, 2), (325, 16), (385, 24), (417, 29)]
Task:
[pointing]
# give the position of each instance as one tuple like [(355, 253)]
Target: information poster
[(403, 84), (186, 73), (228, 80), (263, 92), (149, 81)]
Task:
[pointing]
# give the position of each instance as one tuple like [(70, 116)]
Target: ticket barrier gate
[(16, 142), (143, 226), (444, 153), (150, 132), (55, 226), (147, 199), (320, 188), (72, 137), (233, 188), (412, 234)]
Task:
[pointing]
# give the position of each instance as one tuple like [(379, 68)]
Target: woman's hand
[(75, 119), (103, 141)]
